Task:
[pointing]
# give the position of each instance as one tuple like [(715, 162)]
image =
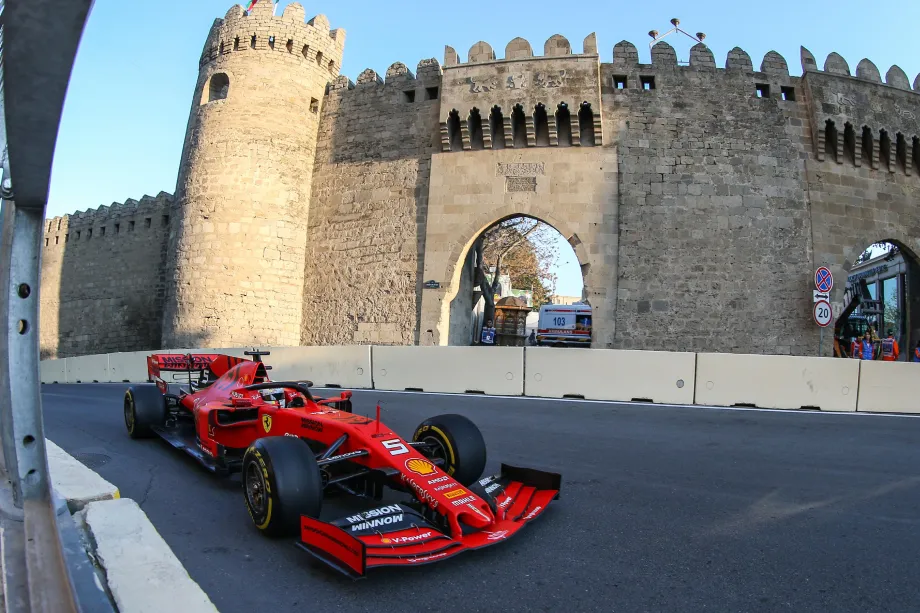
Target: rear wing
[(204, 365)]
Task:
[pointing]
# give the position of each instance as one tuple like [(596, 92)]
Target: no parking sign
[(824, 280)]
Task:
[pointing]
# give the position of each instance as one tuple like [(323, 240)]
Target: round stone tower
[(238, 234)]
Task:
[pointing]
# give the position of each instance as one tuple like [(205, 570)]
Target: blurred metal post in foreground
[(39, 44)]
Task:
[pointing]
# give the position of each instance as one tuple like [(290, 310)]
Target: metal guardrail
[(45, 568)]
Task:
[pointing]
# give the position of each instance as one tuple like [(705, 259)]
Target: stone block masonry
[(313, 210), (369, 208), (103, 278)]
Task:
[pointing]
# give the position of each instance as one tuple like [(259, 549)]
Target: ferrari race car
[(292, 448)]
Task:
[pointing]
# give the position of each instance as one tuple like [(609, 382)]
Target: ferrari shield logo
[(267, 422)]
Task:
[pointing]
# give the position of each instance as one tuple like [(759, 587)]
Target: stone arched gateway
[(478, 189)]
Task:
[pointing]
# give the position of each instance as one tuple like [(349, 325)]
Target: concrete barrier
[(776, 381), (53, 371), (128, 367), (455, 370), (889, 387), (608, 374), (74, 482), (143, 574), (347, 367), (88, 369)]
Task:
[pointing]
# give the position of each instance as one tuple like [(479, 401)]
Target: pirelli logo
[(454, 494)]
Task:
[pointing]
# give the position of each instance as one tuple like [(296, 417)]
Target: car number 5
[(395, 447)]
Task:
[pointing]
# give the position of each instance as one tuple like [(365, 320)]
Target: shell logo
[(420, 467)]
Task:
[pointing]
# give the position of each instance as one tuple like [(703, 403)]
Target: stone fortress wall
[(104, 278), (698, 198)]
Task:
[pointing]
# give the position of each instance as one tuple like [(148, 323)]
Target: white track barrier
[(88, 369), (776, 381), (128, 367), (455, 370), (608, 374), (889, 387), (53, 371), (346, 367)]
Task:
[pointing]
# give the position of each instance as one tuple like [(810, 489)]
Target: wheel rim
[(438, 450), (255, 489), (129, 413)]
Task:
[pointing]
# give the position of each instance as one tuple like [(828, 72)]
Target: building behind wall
[(314, 209)]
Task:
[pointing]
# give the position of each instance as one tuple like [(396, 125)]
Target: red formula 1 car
[(292, 448)]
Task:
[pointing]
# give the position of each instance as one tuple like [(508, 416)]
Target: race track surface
[(662, 509)]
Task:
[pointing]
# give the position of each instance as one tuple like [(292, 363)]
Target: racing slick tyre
[(145, 406), (281, 482), (458, 442)]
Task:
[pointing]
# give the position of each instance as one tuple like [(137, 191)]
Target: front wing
[(397, 535)]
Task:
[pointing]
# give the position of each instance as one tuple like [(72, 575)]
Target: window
[(146, 223), (474, 125), (497, 127), (236, 43), (409, 96), (901, 150), (117, 228), (290, 45), (67, 237), (518, 126), (619, 82), (648, 83), (586, 124), (319, 58), (252, 42), (431, 93), (564, 125), (541, 125), (332, 66), (102, 231), (849, 142), (884, 149), (867, 146), (218, 87), (165, 220), (314, 105), (454, 137), (130, 227), (891, 307), (788, 93), (89, 234), (830, 139), (306, 52), (56, 239), (762, 90), (271, 42), (46, 242), (78, 234)]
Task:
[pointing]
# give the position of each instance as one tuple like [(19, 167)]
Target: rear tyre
[(145, 407), (456, 440), (281, 482)]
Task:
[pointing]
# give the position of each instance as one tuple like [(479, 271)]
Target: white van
[(564, 325)]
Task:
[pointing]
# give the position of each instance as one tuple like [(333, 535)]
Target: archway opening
[(880, 315), (513, 270)]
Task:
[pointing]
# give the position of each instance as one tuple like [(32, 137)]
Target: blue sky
[(129, 98)]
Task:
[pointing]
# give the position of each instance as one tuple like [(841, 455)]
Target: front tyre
[(145, 407), (281, 482), (458, 442)]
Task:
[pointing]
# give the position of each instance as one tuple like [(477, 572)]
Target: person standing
[(890, 349), (488, 335), (916, 353), (866, 348), (854, 348)]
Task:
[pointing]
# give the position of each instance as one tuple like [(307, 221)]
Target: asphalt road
[(662, 509)]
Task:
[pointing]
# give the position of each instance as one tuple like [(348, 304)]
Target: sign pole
[(821, 343)]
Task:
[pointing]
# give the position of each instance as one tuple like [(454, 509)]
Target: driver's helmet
[(274, 396)]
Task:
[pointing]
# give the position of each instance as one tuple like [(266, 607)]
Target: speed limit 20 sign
[(823, 313)]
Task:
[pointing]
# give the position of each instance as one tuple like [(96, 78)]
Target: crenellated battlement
[(109, 220), (289, 33), (427, 75), (556, 46)]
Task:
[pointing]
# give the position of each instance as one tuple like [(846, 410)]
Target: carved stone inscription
[(519, 169), (520, 184)]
